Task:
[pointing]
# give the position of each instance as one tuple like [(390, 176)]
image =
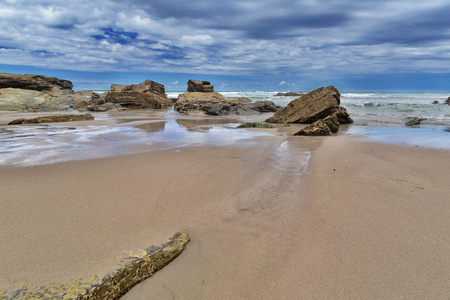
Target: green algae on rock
[(114, 285)]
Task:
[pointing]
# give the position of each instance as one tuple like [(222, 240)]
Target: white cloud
[(282, 83)]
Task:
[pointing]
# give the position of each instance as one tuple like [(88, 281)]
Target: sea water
[(373, 108)]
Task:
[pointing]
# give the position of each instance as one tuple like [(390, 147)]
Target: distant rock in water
[(311, 107), (255, 125), (414, 121), (199, 86), (53, 119), (33, 82), (447, 102), (147, 94), (435, 102), (290, 94)]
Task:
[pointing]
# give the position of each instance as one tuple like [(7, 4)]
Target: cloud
[(282, 83), (271, 39), (174, 82)]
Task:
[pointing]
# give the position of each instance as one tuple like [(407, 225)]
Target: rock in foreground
[(147, 94), (321, 127), (311, 107), (53, 119)]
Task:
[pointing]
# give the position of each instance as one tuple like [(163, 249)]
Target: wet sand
[(288, 218)]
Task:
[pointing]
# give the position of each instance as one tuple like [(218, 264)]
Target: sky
[(267, 45)]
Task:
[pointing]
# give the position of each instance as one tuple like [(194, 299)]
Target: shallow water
[(423, 136), (33, 145)]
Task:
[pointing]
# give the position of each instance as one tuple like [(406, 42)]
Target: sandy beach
[(282, 217)]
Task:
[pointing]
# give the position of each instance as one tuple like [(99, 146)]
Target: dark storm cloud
[(277, 37), (418, 28)]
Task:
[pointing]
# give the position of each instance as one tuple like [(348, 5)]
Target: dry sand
[(363, 220)]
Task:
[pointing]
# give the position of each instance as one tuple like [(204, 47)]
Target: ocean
[(373, 108)]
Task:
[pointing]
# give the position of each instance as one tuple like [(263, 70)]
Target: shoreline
[(270, 215)]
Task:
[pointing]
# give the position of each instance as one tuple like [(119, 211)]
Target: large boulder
[(33, 82), (199, 86), (311, 107), (215, 104), (147, 94)]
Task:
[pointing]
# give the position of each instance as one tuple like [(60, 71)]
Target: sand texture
[(293, 218)]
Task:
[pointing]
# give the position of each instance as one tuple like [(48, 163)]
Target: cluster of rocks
[(287, 94), (201, 98), (446, 102), (320, 107)]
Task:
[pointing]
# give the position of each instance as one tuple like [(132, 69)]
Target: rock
[(332, 123), (311, 107), (317, 128), (33, 82), (53, 119), (114, 285), (447, 102), (291, 94), (414, 121), (264, 106), (255, 125), (106, 107), (29, 101), (80, 105), (199, 86), (215, 104), (435, 102), (147, 94)]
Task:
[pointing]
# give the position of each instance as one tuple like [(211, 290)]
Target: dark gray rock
[(53, 119), (318, 128), (414, 121), (290, 94), (199, 86)]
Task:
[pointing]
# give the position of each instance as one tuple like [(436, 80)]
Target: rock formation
[(33, 82), (311, 107), (414, 121), (53, 119), (215, 104), (106, 107), (199, 86), (291, 94), (447, 101), (114, 285), (200, 97), (321, 127), (147, 94)]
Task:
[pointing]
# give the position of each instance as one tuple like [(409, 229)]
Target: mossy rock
[(255, 125)]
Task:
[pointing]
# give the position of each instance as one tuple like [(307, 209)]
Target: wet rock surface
[(116, 284), (53, 119)]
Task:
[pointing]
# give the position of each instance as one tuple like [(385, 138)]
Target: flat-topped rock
[(287, 94), (33, 82), (147, 94), (199, 86), (311, 107), (53, 119)]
